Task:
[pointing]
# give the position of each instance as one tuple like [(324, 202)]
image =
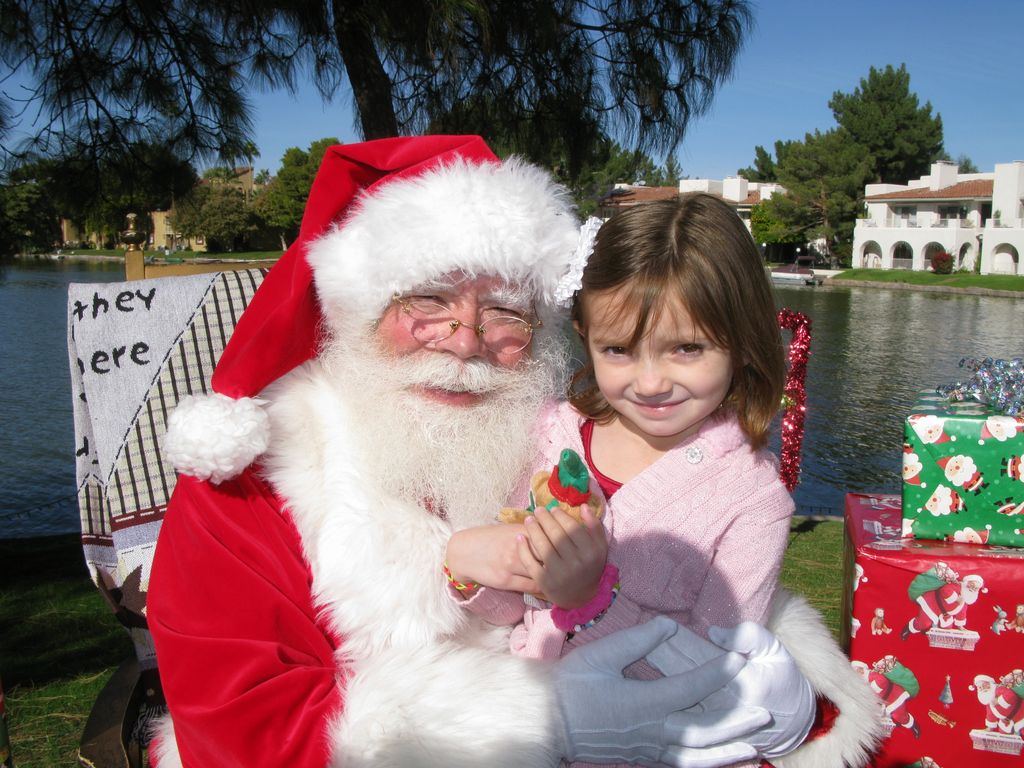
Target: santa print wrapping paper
[(963, 472), (936, 629)]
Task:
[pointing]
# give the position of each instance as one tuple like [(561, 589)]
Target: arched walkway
[(1005, 260), (902, 255), (965, 258), (871, 255)]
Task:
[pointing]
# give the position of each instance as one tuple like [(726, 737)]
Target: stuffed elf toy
[(567, 485)]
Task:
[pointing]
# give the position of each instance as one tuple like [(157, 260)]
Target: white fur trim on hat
[(214, 437), (508, 220)]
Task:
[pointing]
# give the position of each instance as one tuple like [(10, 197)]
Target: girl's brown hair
[(693, 249)]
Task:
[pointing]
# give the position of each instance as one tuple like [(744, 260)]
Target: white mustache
[(445, 372)]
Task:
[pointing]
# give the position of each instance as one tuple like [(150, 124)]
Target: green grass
[(185, 255), (59, 642), (955, 280), (235, 255), (813, 566)]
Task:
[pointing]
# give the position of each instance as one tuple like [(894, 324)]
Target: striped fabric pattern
[(142, 481)]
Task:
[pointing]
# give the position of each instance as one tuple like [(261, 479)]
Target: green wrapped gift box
[(963, 473)]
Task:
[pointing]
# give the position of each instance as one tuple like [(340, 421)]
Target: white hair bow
[(572, 280)]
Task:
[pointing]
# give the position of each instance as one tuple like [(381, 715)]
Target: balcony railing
[(907, 222), (903, 222)]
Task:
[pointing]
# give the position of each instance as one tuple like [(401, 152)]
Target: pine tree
[(763, 168), (882, 115), (824, 176)]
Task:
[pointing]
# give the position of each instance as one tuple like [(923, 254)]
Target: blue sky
[(963, 57)]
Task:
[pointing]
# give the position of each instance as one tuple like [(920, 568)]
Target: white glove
[(611, 719), (770, 680)]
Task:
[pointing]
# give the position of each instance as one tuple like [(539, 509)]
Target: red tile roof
[(963, 190), (633, 195), (627, 196)]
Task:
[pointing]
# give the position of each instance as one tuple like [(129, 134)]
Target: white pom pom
[(214, 437)]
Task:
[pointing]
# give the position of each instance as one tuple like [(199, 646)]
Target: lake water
[(37, 443), (871, 351)]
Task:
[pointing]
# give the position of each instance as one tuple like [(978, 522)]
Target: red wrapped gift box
[(937, 629)]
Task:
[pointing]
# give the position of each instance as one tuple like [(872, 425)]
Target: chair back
[(135, 349)]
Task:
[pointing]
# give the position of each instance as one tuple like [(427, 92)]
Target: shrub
[(942, 263)]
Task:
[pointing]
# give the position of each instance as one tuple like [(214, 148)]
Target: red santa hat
[(382, 217)]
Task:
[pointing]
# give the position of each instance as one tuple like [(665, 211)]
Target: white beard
[(466, 460)]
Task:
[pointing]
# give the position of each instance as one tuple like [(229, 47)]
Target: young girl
[(684, 373)]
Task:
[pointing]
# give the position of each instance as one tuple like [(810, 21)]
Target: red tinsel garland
[(794, 399)]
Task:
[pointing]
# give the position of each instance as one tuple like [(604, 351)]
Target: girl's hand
[(564, 558), (489, 555)]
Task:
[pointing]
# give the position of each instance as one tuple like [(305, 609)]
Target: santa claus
[(942, 599), (895, 685), (961, 471), (968, 535), (944, 501), (911, 466), (298, 603), (1003, 701)]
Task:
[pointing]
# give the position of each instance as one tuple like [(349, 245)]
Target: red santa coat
[(261, 682)]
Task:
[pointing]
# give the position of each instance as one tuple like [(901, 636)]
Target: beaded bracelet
[(467, 587), (572, 620), (580, 627)]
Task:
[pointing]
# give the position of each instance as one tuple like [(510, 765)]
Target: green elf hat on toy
[(569, 481), (382, 217)]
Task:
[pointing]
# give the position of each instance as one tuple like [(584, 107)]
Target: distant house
[(162, 236), (735, 190), (975, 216)]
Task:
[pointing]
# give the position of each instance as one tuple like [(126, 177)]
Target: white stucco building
[(971, 216)]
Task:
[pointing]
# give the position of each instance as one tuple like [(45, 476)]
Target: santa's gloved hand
[(607, 718), (770, 680)]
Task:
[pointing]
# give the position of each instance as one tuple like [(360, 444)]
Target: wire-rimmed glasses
[(502, 333)]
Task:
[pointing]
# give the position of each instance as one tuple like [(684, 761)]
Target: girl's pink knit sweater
[(698, 536)]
